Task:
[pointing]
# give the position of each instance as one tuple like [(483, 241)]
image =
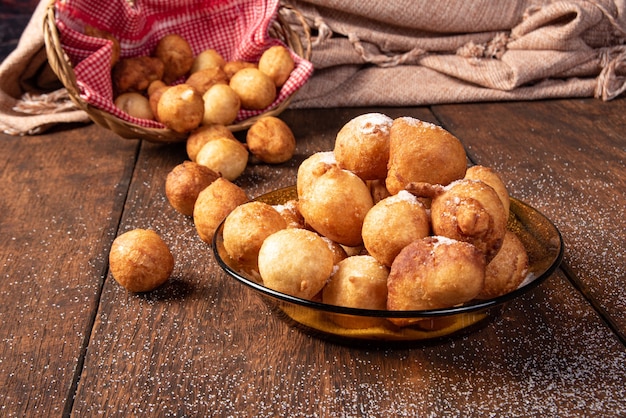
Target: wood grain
[(62, 196), (74, 343)]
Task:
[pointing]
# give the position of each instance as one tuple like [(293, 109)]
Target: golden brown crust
[(336, 205), (247, 226), (295, 261), (362, 146), (200, 136), (213, 205), (271, 140), (471, 211), (136, 73), (392, 224), (176, 54), (140, 260), (422, 152), (507, 270), (185, 182), (433, 273)]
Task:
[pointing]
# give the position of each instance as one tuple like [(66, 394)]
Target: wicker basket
[(62, 67)]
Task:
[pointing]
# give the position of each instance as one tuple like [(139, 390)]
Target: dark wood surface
[(74, 343)]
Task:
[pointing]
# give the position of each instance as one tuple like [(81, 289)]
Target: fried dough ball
[(228, 157), (362, 145), (154, 95), (422, 152), (507, 270), (209, 58), (489, 176), (140, 260), (295, 261), (434, 273), (378, 190), (203, 80), (181, 108), (392, 224), (312, 168), (471, 211), (176, 54), (247, 226), (255, 88), (204, 134), (291, 214), (357, 282), (115, 43), (231, 67), (185, 182), (135, 104), (277, 63), (336, 205), (221, 105), (271, 140), (136, 73), (213, 205)]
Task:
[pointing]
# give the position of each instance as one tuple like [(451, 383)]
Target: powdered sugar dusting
[(372, 123)]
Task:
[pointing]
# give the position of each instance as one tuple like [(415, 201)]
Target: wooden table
[(74, 343)]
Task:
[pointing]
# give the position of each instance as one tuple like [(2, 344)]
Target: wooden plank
[(62, 197), (203, 345), (567, 159)]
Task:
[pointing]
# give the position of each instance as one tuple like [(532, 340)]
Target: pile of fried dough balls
[(209, 99), (392, 219), (184, 91)]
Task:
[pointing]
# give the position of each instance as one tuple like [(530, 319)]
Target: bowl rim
[(472, 306)]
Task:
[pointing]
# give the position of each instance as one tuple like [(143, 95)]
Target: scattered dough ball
[(295, 261), (181, 108), (228, 157), (135, 104), (176, 54), (247, 226), (312, 168), (471, 211), (335, 206), (507, 270), (434, 273), (214, 204), (255, 88), (185, 182), (231, 67), (140, 260), (115, 44), (357, 282), (362, 146), (422, 152), (277, 63), (221, 105), (203, 80), (489, 176), (204, 134), (392, 224), (271, 140), (209, 58), (136, 73)]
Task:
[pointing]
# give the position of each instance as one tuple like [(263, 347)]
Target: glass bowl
[(540, 237)]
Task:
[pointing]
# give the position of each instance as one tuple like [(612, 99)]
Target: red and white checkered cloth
[(237, 29)]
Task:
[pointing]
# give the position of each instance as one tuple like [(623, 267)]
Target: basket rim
[(62, 67)]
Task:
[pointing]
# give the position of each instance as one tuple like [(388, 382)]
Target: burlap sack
[(402, 53), (409, 52)]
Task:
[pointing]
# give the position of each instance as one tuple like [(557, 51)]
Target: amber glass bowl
[(540, 237)]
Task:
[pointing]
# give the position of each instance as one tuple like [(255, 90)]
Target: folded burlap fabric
[(31, 97), (401, 53)]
